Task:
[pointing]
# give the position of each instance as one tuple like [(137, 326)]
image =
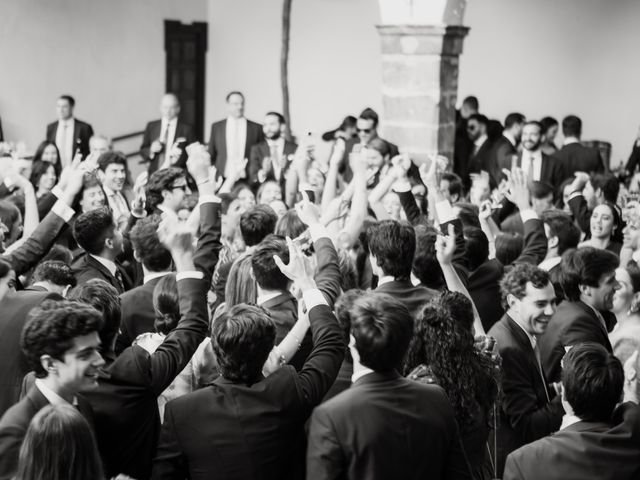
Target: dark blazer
[(632, 163), (138, 315), (484, 281), (502, 154), (462, 151), (575, 157), (344, 167), (14, 424), (404, 291), (383, 427), (86, 268), (259, 152), (584, 450), (152, 133), (525, 413), (82, 132), (125, 400), (14, 308), (551, 171), (483, 160), (251, 431), (218, 142), (573, 323)]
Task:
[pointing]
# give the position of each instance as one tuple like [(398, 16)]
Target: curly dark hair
[(515, 281), (443, 340), (146, 244), (159, 181)]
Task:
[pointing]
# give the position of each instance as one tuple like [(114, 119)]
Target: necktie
[(118, 277), (536, 352), (63, 145), (273, 150), (530, 169)]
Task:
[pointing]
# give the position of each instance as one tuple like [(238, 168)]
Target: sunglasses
[(364, 130), (181, 187)]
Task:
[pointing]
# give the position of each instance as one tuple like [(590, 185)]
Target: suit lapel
[(279, 300), (103, 270), (37, 399)]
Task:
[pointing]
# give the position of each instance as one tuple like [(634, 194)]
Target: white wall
[(334, 62), (557, 57), (108, 54)]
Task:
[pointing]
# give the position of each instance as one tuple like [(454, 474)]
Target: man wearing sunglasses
[(167, 190), (367, 129)]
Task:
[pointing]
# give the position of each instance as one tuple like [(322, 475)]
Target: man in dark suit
[(60, 342), (541, 201), (165, 140), (167, 190), (270, 159), (536, 165), (367, 126), (69, 134), (231, 139), (392, 246), (273, 285), (589, 282), (589, 444), (505, 148), (632, 163), (247, 426), (463, 146), (481, 159), (97, 234), (575, 157), (529, 410), (53, 276), (351, 435), (112, 173), (138, 314), (125, 401)]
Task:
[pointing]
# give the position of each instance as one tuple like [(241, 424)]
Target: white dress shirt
[(236, 138), (534, 158), (52, 397), (171, 134), (64, 140), (118, 204), (108, 264)]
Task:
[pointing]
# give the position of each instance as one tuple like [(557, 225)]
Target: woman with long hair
[(625, 338), (48, 152), (605, 220), (59, 445), (443, 352), (43, 177)]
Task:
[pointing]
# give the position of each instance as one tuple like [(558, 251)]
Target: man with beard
[(528, 410), (167, 190), (538, 166), (270, 159), (588, 279)]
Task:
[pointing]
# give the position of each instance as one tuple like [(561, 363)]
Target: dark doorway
[(186, 47)]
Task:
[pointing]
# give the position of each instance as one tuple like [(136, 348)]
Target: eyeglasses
[(364, 130), (184, 188)]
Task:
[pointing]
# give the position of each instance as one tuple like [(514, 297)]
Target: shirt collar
[(509, 136), (361, 373), (531, 338), (68, 121), (108, 264), (535, 154), (549, 263), (152, 276), (108, 192), (278, 142), (385, 279), (480, 141), (570, 140), (266, 297), (568, 420), (236, 120), (52, 397)]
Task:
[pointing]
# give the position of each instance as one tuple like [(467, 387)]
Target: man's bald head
[(169, 106)]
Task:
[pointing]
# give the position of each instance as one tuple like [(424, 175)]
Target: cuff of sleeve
[(63, 210), (575, 195), (317, 232), (57, 191), (209, 199), (445, 212), (528, 215), (313, 298), (401, 186), (189, 274)]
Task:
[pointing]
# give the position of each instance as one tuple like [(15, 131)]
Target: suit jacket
[(525, 414), (462, 151), (404, 291), (632, 163), (386, 426), (218, 142), (551, 171), (344, 167), (87, 268), (575, 157), (152, 133), (14, 424), (14, 308), (82, 132), (584, 450), (137, 313), (259, 152), (245, 431), (502, 152), (483, 160), (125, 400), (573, 323)]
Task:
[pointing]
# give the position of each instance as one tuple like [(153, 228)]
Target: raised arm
[(578, 204)]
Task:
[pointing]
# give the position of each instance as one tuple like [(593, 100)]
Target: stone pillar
[(420, 86)]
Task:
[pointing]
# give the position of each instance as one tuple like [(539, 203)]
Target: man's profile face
[(169, 107), (536, 308), (531, 137), (271, 127), (474, 129), (79, 366), (179, 192), (114, 176), (366, 130), (602, 296), (235, 106), (64, 109)]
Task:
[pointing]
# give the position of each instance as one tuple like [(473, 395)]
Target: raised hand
[(198, 163), (308, 213), (299, 268), (177, 237), (446, 246), (519, 190), (579, 182)]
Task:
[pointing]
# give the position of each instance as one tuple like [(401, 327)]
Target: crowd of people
[(253, 309)]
